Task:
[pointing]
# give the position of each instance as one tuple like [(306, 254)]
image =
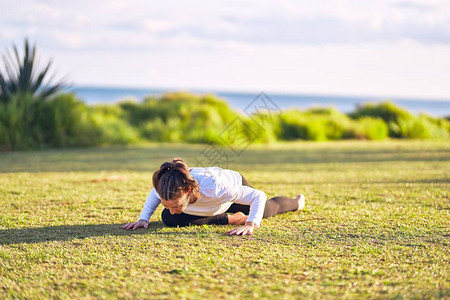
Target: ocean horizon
[(240, 100)]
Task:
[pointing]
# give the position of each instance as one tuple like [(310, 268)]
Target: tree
[(24, 76)]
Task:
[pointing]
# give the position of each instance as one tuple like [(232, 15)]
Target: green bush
[(316, 128), (180, 117), (65, 121), (315, 124), (16, 121), (203, 122), (292, 125), (153, 130), (178, 104), (440, 122), (420, 128), (160, 131), (62, 121), (371, 129), (138, 113), (261, 128), (389, 112), (112, 126)]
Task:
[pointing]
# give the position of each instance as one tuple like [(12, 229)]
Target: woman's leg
[(274, 206), (186, 220), (279, 205), (244, 181)]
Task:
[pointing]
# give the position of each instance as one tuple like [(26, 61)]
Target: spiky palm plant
[(24, 75)]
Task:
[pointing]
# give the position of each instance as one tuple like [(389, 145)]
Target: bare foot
[(238, 218), (301, 201)]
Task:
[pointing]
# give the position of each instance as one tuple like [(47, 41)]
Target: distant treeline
[(65, 121)]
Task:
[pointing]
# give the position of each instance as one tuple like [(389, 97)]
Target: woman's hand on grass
[(136, 225), (247, 229)]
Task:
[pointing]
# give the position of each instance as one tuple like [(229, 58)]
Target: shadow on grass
[(70, 232), (358, 181), (148, 159)]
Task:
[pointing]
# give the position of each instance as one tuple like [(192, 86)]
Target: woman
[(197, 196)]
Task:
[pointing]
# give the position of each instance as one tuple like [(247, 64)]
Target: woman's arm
[(150, 206), (257, 200)]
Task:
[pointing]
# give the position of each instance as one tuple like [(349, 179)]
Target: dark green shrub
[(139, 113), (325, 111), (16, 121), (62, 121), (154, 130), (387, 111), (292, 125), (65, 121)]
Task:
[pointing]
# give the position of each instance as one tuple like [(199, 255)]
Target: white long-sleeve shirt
[(219, 189)]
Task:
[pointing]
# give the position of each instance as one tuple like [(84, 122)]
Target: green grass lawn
[(376, 225)]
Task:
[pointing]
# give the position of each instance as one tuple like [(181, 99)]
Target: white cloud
[(376, 22), (407, 69), (157, 26), (282, 45), (69, 39), (295, 22)]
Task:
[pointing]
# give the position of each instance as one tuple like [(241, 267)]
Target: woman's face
[(176, 206)]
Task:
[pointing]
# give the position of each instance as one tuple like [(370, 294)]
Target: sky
[(385, 48)]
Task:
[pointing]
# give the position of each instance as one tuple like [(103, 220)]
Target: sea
[(241, 100)]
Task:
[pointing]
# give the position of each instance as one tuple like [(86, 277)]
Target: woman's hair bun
[(179, 163), (173, 178)]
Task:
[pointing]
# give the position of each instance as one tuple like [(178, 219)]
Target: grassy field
[(376, 225)]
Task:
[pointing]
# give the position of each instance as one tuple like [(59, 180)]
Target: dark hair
[(173, 179)]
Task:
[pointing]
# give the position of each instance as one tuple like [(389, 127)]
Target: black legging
[(274, 206)]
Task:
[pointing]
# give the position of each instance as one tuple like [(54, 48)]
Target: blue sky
[(366, 48)]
